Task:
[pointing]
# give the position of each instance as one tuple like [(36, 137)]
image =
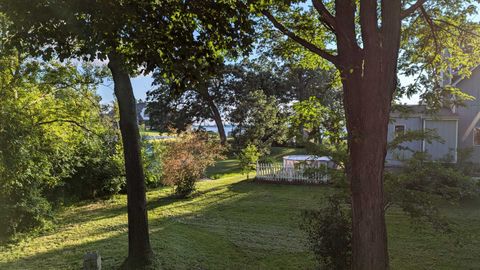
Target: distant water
[(228, 128)]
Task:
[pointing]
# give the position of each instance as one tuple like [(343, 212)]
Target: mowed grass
[(230, 167), (150, 133), (232, 223)]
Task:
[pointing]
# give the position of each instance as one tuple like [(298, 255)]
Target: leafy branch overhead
[(439, 41), (151, 36)]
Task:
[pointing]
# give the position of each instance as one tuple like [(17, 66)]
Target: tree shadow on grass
[(240, 227), (97, 213)]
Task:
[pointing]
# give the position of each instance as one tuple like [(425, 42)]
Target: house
[(459, 127)]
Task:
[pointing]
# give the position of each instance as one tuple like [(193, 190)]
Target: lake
[(228, 128)]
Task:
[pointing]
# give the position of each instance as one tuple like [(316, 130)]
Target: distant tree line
[(257, 99)]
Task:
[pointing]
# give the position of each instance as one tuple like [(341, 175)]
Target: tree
[(362, 39), (325, 124), (259, 121), (248, 158), (222, 92), (172, 37), (51, 126), (219, 94), (208, 99), (175, 111)]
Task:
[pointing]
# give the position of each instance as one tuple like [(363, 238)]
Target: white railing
[(310, 174)]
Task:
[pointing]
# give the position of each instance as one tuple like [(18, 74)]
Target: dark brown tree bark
[(369, 80), (139, 250), (367, 120), (217, 117)]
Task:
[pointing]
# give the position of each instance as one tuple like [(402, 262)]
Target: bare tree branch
[(347, 43), (407, 12), (311, 47), (330, 22)]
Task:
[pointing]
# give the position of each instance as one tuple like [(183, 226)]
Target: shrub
[(329, 235), (50, 124), (97, 172), (422, 184), (152, 155), (22, 210), (248, 159), (186, 159), (466, 163)]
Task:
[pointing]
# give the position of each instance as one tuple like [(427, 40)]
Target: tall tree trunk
[(368, 89), (368, 74), (367, 120), (369, 81), (217, 117), (139, 250)]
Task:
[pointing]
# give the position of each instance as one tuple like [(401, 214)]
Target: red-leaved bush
[(186, 159)]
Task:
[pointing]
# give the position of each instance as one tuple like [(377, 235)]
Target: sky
[(141, 85)]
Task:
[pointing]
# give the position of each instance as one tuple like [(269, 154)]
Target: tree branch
[(347, 43), (387, 205), (457, 27), (311, 47), (432, 28), (325, 16), (368, 22), (75, 123), (407, 12)]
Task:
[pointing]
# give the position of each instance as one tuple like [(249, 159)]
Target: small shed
[(291, 160)]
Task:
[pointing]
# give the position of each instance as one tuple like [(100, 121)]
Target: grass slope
[(233, 224)]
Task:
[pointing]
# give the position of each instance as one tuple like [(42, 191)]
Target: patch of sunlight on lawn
[(232, 221)]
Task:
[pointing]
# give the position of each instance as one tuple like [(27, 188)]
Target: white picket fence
[(309, 174)]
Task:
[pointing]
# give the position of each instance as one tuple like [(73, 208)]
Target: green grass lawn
[(233, 224), (150, 133)]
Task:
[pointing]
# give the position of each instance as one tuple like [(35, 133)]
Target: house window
[(476, 136), (400, 130)]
